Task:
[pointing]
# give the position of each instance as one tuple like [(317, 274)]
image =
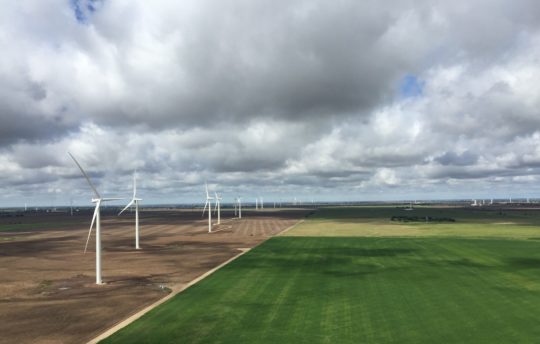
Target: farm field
[(492, 222), (459, 284), (48, 292)]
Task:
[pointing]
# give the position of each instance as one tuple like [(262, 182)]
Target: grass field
[(424, 289), (375, 222)]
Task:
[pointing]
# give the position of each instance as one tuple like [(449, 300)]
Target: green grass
[(359, 290), (350, 275), (375, 221)]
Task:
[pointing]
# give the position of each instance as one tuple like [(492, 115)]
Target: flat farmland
[(47, 290), (471, 222), (439, 287)]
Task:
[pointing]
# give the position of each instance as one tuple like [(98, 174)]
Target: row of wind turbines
[(217, 198), (98, 200), (96, 218)]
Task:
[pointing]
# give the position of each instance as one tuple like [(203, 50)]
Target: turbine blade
[(91, 226), (85, 176), (127, 206), (205, 204), (134, 185)]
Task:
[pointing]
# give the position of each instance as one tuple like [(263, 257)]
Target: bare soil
[(47, 285)]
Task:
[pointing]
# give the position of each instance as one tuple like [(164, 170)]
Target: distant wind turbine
[(208, 204), (134, 201), (239, 199), (218, 208)]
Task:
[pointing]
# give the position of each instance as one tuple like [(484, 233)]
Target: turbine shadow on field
[(524, 263), (333, 261), (347, 251), (457, 263)]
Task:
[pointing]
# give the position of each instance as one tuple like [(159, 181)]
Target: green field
[(421, 289), (375, 222)]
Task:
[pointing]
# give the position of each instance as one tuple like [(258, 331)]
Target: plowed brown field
[(47, 290)]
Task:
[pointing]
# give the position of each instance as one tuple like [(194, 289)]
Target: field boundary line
[(291, 227), (175, 291)]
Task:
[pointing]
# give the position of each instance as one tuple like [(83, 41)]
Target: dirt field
[(47, 290)]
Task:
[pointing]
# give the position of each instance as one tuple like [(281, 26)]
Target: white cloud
[(253, 96)]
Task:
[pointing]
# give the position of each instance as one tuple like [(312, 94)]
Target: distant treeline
[(421, 219)]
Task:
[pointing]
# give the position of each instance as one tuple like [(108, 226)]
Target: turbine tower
[(209, 205), (256, 203), (239, 207), (218, 208), (95, 218), (261, 202), (134, 200)]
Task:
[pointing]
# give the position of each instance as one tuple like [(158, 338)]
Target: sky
[(319, 100)]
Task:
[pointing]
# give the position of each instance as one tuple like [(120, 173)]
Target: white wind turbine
[(218, 208), (208, 204), (235, 207), (239, 199), (256, 203), (134, 201), (95, 218)]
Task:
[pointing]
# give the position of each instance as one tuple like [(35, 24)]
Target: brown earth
[(47, 285)]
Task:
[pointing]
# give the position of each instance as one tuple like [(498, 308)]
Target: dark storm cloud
[(236, 60), (452, 158), (25, 125)]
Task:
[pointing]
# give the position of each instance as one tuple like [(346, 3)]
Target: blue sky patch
[(411, 86), (83, 9)]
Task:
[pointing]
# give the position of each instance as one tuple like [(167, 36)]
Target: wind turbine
[(256, 203), (261, 202), (209, 205), (239, 200), (235, 207), (134, 200), (218, 208), (95, 218)]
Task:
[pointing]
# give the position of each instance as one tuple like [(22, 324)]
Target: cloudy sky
[(324, 100)]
